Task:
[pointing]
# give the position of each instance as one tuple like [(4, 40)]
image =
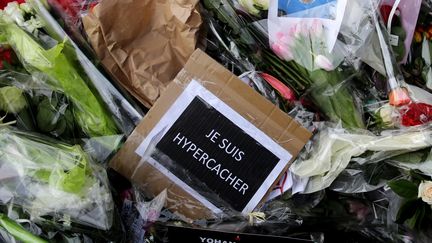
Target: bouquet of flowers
[(54, 183)]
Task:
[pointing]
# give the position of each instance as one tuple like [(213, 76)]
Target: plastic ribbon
[(392, 13)]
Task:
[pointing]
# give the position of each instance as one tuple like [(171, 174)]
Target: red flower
[(385, 12), (4, 3), (416, 114), (5, 56)]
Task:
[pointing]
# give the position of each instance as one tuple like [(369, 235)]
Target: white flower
[(324, 63), (386, 113), (425, 191)]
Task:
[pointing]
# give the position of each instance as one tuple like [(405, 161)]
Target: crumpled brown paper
[(144, 43)]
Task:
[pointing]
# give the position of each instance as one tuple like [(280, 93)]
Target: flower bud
[(323, 63), (282, 51), (283, 90)]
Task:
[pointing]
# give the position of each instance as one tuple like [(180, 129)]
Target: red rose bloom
[(416, 114), (5, 56)]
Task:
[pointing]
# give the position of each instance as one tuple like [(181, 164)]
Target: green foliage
[(12, 99), (404, 188), (61, 75), (18, 232)]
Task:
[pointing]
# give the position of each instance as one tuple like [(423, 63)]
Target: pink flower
[(399, 97), (280, 35), (323, 63), (282, 51), (284, 39)]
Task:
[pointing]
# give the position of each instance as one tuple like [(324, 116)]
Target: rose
[(416, 114), (425, 191)]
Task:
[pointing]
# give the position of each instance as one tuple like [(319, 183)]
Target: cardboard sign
[(212, 142), (220, 151)]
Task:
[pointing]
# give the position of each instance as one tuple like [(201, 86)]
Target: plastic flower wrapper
[(400, 17), (418, 112), (35, 106), (316, 41), (360, 216), (53, 182), (407, 104), (335, 147), (61, 74), (329, 92), (417, 69), (58, 67), (226, 52), (12, 230)]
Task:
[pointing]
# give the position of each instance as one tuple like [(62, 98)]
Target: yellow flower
[(417, 37)]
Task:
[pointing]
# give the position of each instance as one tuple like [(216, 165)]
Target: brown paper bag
[(223, 89), (143, 44)]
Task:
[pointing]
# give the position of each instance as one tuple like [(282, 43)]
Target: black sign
[(214, 156), (173, 234)]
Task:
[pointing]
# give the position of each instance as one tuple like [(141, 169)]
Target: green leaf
[(18, 232), (418, 177), (12, 99), (416, 220), (413, 157), (404, 188), (406, 211)]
